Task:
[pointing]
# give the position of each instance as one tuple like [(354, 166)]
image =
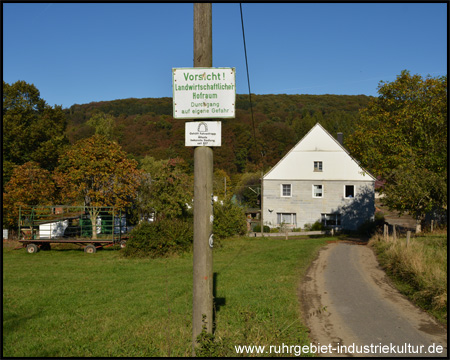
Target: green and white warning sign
[(204, 93)]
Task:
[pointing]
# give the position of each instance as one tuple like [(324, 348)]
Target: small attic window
[(317, 165)]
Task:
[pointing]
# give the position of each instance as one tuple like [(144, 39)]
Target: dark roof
[(379, 182)]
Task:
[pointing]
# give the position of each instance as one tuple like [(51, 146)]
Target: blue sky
[(76, 53)]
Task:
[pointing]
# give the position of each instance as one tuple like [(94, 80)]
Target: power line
[(248, 81)]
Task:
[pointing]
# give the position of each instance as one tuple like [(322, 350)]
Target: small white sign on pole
[(204, 93), (203, 133)]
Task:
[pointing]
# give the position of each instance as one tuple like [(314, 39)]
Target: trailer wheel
[(90, 249), (123, 244), (32, 249)]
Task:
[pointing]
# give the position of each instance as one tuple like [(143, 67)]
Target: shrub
[(229, 220), (317, 226), (160, 238), (257, 228), (370, 227)]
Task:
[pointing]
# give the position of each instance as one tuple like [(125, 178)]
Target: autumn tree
[(29, 185), (32, 130), (96, 172), (402, 138)]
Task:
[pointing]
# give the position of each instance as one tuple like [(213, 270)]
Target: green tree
[(152, 166), (402, 138), (166, 190), (103, 124), (248, 190), (96, 172), (143, 204), (221, 183), (32, 130)]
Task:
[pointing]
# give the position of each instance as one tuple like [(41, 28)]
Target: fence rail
[(66, 223)]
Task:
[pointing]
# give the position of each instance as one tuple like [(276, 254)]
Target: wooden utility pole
[(202, 304)]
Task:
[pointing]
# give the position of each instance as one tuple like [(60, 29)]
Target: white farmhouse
[(318, 180)]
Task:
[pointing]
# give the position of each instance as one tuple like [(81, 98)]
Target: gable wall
[(308, 209), (337, 165)]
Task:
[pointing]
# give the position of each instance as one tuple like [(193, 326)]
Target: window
[(317, 191), (349, 191), (317, 165), (331, 219), (287, 218), (286, 190)]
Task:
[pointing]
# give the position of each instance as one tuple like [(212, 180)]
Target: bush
[(160, 238), (257, 228), (229, 220), (370, 227), (317, 226)]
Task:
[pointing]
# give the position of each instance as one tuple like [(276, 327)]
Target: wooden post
[(432, 223), (202, 301), (385, 232), (418, 225), (20, 218), (408, 236), (394, 233)]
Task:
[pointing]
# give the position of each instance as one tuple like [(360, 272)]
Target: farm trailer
[(40, 226)]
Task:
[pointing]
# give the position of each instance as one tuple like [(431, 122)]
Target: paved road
[(347, 299)]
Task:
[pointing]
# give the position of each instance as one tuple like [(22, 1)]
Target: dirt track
[(347, 299)]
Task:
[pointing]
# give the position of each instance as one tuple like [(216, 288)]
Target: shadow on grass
[(11, 322), (217, 301)]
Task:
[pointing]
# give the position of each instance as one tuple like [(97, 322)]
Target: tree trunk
[(93, 212)]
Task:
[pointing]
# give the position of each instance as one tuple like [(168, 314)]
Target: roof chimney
[(340, 138)]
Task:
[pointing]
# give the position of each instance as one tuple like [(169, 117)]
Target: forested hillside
[(146, 126)]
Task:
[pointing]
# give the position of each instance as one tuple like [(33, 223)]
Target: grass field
[(419, 270), (64, 302)]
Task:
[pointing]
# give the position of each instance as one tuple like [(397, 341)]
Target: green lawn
[(63, 302)]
